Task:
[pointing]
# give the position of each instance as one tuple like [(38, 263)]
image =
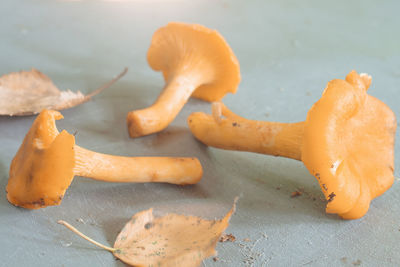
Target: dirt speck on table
[(296, 194), (227, 237)]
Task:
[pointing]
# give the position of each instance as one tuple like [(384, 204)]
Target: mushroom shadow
[(7, 118), (170, 135), (270, 192), (129, 194), (3, 182)]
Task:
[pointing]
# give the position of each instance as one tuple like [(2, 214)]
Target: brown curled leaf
[(29, 92), (170, 240)]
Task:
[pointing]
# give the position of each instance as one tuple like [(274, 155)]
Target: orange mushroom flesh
[(346, 142), (47, 161), (195, 61)]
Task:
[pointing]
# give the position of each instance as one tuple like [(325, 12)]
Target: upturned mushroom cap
[(42, 169), (348, 145), (198, 53)]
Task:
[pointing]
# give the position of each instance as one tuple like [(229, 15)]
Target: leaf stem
[(104, 86), (76, 231)]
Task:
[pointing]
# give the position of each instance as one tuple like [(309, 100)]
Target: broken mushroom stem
[(76, 231), (167, 106), (111, 168), (227, 130)]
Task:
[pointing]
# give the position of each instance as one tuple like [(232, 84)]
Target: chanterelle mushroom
[(195, 61), (47, 161), (346, 142)]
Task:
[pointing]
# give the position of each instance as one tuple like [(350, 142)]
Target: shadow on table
[(267, 185), (3, 181)]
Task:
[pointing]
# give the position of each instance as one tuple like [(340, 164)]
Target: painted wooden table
[(288, 51)]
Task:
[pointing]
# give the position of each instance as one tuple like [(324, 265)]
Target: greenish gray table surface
[(288, 51)]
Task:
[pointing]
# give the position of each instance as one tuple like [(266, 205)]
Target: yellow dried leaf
[(29, 92), (170, 240)]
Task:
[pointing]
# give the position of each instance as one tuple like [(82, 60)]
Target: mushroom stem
[(158, 116), (236, 133), (136, 169)]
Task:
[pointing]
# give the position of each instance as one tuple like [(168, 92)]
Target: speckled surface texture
[(288, 51)]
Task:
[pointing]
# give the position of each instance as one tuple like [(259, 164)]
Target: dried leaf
[(170, 240), (29, 92)]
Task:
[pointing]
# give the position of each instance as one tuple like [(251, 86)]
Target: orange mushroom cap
[(348, 145), (200, 53), (42, 169)]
